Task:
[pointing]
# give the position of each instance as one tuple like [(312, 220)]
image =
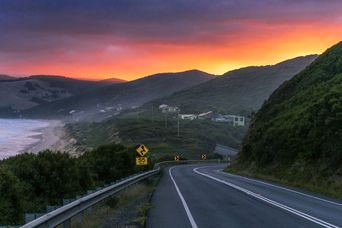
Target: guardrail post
[(29, 217), (67, 224), (79, 217)]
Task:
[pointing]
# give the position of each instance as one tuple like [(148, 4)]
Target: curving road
[(204, 196)]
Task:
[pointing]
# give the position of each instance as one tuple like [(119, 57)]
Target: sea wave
[(18, 134)]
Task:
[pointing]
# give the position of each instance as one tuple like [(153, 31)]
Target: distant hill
[(297, 135), (123, 95), (5, 77), (113, 80), (239, 91), (27, 92)]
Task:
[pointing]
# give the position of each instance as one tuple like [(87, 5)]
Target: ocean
[(18, 134)]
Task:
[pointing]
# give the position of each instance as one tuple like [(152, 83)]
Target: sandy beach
[(52, 137), (25, 135)]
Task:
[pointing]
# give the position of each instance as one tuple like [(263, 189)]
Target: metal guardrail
[(65, 213), (160, 164)]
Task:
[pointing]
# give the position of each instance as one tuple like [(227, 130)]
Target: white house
[(162, 106), (206, 115), (232, 119), (237, 120), (166, 109), (187, 116)]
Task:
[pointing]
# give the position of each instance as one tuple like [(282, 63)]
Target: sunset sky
[(129, 39)]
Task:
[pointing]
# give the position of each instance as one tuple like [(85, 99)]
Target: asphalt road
[(225, 150), (204, 196)]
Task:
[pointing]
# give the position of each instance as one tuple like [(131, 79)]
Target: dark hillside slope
[(5, 77), (27, 92), (74, 86), (297, 134), (133, 93), (239, 91)]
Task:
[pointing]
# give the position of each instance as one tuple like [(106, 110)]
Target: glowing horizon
[(129, 40)]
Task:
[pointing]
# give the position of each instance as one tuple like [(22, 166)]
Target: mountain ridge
[(27, 92), (247, 88), (123, 95)]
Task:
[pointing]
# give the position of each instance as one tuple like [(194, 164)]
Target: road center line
[(283, 188), (185, 205), (274, 203)]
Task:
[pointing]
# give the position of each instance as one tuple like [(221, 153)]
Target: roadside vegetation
[(128, 208), (160, 134), (30, 182), (296, 137)]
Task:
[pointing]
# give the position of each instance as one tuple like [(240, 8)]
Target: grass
[(126, 209), (195, 137), (327, 188)]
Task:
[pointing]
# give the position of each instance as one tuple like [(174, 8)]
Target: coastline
[(52, 138)]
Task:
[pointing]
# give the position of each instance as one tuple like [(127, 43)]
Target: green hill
[(239, 91), (297, 134)]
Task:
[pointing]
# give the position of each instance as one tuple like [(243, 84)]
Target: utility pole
[(152, 115), (178, 123), (166, 120)]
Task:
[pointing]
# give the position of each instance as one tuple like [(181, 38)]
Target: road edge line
[(274, 203), (185, 205), (283, 188)]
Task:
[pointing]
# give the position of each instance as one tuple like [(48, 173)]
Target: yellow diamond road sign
[(204, 157), (141, 161), (142, 150), (177, 158)]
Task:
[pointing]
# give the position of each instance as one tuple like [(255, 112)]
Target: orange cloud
[(216, 46)]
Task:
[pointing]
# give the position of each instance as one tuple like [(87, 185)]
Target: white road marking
[(287, 189), (289, 209), (187, 210)]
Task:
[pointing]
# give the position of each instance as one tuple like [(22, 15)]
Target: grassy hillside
[(133, 93), (240, 91), (195, 137), (297, 135)]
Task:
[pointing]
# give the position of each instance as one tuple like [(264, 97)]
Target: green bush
[(11, 198), (30, 182)]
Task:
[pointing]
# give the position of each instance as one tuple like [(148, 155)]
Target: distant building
[(232, 119), (162, 106), (119, 108), (166, 109), (237, 120), (220, 118), (187, 116), (206, 115)]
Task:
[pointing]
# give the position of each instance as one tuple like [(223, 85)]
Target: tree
[(11, 198)]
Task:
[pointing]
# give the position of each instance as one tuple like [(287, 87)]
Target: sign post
[(141, 150), (141, 161)]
